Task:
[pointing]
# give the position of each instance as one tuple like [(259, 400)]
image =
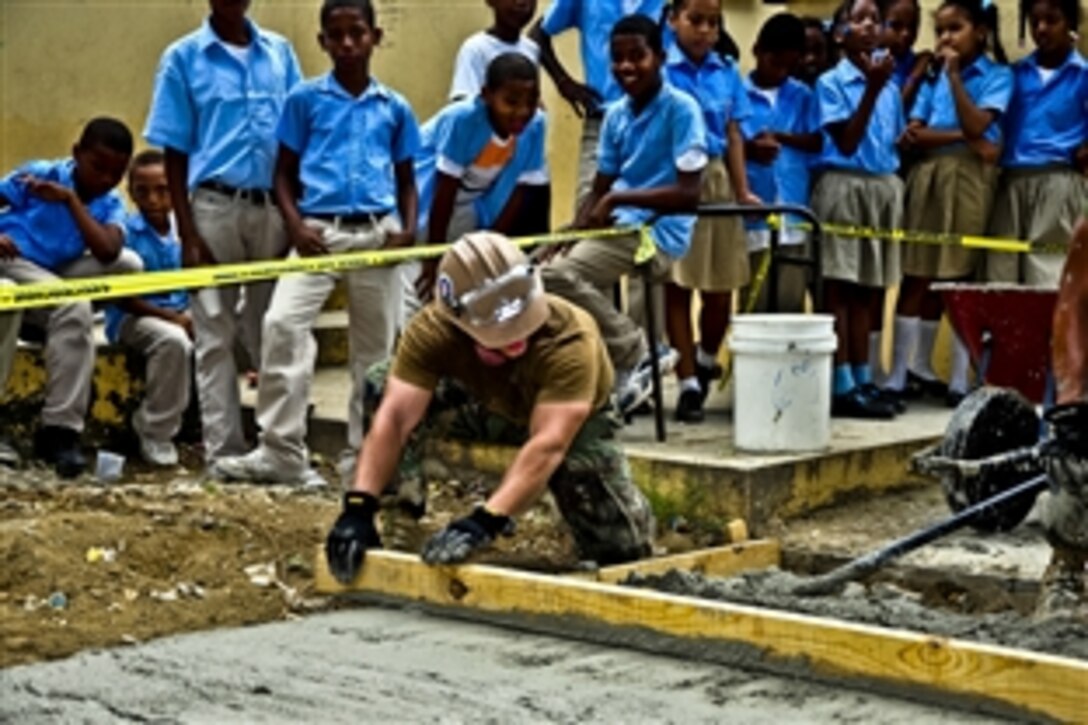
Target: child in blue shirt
[(861, 114), (480, 161), (902, 18), (594, 20), (345, 183), (816, 57), (717, 261), (652, 152), (1044, 185), (158, 325), (65, 220), (955, 133), (218, 94), (783, 135)]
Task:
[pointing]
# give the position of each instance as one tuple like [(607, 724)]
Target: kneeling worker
[(495, 358)]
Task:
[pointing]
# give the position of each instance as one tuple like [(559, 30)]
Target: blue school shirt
[(348, 145), (460, 142), (903, 68), (45, 232), (594, 20), (795, 111), (839, 92), (219, 112), (1046, 124), (989, 85), (642, 151), (716, 86), (159, 253)]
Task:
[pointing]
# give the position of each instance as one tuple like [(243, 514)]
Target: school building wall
[(63, 62)]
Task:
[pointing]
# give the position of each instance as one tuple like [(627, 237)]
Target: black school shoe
[(706, 375), (856, 404), (918, 387), (60, 447), (689, 407), (888, 397)]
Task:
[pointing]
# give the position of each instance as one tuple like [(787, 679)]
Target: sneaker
[(689, 406), (159, 453), (856, 404), (667, 358), (1062, 589), (258, 467), (883, 395), (706, 377), (632, 389), (59, 447), (8, 455)]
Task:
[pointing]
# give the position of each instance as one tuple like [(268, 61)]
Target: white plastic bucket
[(782, 382)]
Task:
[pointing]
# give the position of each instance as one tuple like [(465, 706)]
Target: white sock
[(957, 380), (704, 358), (923, 351), (906, 340), (876, 362), (691, 383)]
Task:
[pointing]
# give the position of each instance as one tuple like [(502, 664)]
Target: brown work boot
[(1062, 589)]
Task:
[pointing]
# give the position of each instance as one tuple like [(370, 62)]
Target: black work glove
[(460, 538), (351, 535)]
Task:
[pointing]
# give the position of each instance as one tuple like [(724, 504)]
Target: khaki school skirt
[(718, 258), (949, 192), (845, 197), (1042, 206)]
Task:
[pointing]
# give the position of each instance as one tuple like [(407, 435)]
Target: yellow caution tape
[(65, 291), (996, 244)]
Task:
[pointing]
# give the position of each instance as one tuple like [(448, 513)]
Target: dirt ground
[(89, 565)]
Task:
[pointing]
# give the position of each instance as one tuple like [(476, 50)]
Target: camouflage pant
[(609, 517), (1065, 515)]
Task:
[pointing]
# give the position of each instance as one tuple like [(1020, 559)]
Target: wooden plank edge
[(984, 675), (718, 561)]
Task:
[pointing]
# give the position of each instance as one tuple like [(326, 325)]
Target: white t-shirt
[(240, 52), (476, 53), (1045, 74)]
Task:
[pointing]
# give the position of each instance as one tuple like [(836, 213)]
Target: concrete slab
[(380, 665), (697, 474)]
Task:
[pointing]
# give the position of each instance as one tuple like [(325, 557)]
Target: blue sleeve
[(562, 15), (454, 141), (293, 68), (14, 190), (294, 127), (810, 112), (406, 142), (835, 107), (113, 212), (610, 146), (742, 108), (172, 120), (688, 130), (996, 90), (923, 103)]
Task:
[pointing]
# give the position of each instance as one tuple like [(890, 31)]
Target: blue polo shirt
[(45, 231), (159, 253), (989, 85), (348, 145), (594, 20), (718, 88), (649, 149), (220, 111), (1046, 123), (839, 92), (794, 111), (460, 142), (903, 67)]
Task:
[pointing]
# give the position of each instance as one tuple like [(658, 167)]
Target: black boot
[(60, 447)]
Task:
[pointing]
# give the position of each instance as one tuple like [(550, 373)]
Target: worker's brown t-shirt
[(565, 362)]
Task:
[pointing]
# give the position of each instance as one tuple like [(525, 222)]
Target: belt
[(254, 196), (349, 220)]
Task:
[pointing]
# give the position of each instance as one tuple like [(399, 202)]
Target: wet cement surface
[(384, 665), (882, 604)]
